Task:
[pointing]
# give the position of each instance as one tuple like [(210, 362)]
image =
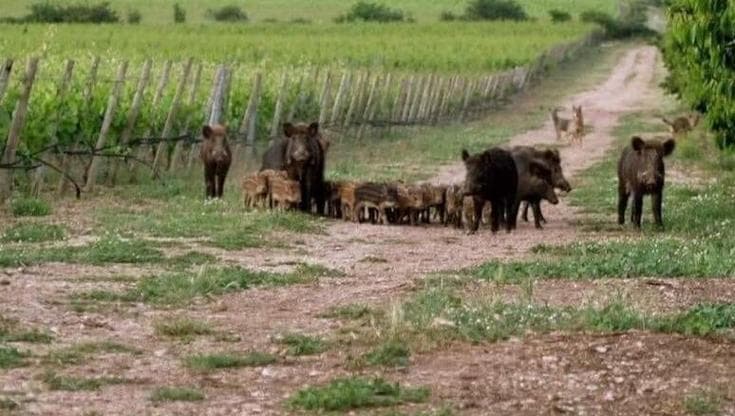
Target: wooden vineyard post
[(145, 74), (305, 91), (416, 100), (324, 99), (112, 103), (176, 156), (16, 126), (207, 110), (248, 124), (339, 98), (39, 176), (219, 99), (355, 90), (466, 100), (161, 149), (275, 125), (87, 95), (365, 120), (295, 104), (5, 72), (395, 114), (405, 112)]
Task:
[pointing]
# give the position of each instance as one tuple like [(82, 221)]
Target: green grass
[(11, 357), (348, 312), (83, 352), (356, 393), (8, 404), (210, 362), (12, 331), (108, 249), (703, 403), (191, 258), (33, 233), (30, 207), (160, 12), (182, 327), (58, 382), (299, 344), (390, 354), (177, 394)]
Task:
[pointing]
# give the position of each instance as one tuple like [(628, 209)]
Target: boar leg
[(511, 213), (537, 215), (524, 215), (656, 202), (305, 204), (497, 210), (479, 203), (220, 184), (623, 197), (637, 209), (209, 181), (540, 214)]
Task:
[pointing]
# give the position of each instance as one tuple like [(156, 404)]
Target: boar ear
[(669, 146), (465, 155), (207, 131), (324, 143), (539, 168), (637, 143), (288, 129), (313, 129)]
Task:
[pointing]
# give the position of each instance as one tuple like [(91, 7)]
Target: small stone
[(608, 396), (441, 322), (268, 372), (618, 380), (602, 349), (550, 359), (159, 353)]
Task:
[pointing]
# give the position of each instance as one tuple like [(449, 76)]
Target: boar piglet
[(453, 205), (376, 198), (285, 194), (492, 177), (255, 190), (216, 157), (641, 172)]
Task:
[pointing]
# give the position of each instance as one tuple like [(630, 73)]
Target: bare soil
[(631, 373)]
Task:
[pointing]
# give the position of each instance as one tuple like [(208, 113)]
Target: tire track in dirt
[(405, 253)]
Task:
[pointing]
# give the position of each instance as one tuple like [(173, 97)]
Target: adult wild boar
[(641, 172), (535, 183), (492, 176), (301, 153), (216, 157), (553, 160)]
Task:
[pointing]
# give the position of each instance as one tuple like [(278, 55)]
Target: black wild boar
[(553, 161), (641, 172), (302, 154), (492, 176), (216, 157), (534, 184)]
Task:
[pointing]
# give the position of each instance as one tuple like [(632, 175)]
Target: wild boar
[(492, 177), (553, 161), (285, 194), (375, 197), (216, 157), (255, 190), (453, 205)]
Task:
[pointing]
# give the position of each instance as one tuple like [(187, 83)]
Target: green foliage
[(495, 10), (69, 383), (52, 12), (11, 357), (352, 312), (33, 233), (209, 362), (79, 353), (559, 16), (229, 13), (134, 17), (703, 403), (701, 320), (299, 344), (30, 207), (391, 354), (622, 27), (12, 331), (176, 394), (8, 404), (179, 14), (182, 327), (700, 56), (356, 393), (372, 12), (447, 16)]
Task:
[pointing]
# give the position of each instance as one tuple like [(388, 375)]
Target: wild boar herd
[(498, 182)]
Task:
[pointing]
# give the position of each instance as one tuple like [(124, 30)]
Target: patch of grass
[(108, 249), (299, 344), (182, 327), (703, 403), (209, 362), (30, 207), (356, 393), (373, 259), (11, 331), (11, 357), (176, 394), (191, 258), (80, 353), (348, 312), (390, 354), (33, 233), (312, 271), (69, 383), (701, 320), (8, 404)]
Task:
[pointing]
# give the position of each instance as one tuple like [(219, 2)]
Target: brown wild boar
[(410, 203), (453, 205), (347, 201), (285, 193), (552, 159), (255, 190), (641, 172), (216, 157), (433, 199), (377, 198)]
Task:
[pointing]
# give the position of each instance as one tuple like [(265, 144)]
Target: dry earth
[(632, 373)]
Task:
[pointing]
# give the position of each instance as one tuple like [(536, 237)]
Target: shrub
[(447, 16), (624, 27), (179, 14), (372, 12), (134, 17), (231, 13), (30, 207), (559, 16), (495, 10), (47, 12)]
